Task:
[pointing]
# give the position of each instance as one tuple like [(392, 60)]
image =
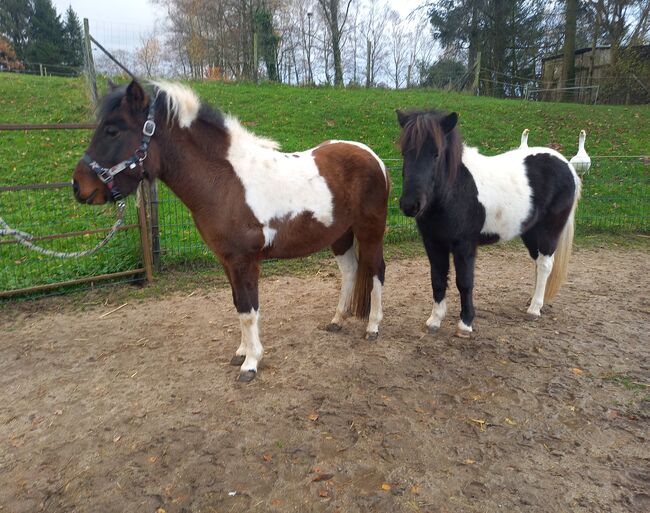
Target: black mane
[(110, 102), (422, 129)]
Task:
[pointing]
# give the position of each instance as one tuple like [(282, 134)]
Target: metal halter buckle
[(149, 128)]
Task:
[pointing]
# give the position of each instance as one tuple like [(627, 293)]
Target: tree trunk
[(473, 38), (331, 11), (568, 66), (368, 57), (336, 44)]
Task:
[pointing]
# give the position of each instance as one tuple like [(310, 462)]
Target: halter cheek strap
[(107, 174)]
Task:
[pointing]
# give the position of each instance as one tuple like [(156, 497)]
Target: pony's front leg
[(464, 260), (439, 262), (244, 281)]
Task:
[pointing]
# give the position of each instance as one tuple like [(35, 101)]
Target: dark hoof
[(238, 360), (333, 327), (462, 333), (372, 335), (432, 330), (532, 317), (246, 376)]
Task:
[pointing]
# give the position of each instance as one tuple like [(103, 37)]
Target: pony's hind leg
[(438, 254), (543, 268), (346, 259), (376, 310), (369, 284), (542, 243)]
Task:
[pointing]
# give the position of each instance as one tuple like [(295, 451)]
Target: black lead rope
[(107, 175)]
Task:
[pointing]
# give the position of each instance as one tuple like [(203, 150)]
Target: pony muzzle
[(87, 187), (411, 207)]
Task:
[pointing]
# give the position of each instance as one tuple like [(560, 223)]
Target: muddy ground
[(139, 411)]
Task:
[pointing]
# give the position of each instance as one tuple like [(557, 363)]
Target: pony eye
[(112, 130)]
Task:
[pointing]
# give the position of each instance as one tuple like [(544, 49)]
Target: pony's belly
[(300, 236), (506, 220)]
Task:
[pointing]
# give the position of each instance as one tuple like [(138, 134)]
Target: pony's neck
[(192, 162)]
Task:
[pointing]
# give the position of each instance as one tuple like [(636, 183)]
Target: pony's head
[(431, 149), (120, 140)]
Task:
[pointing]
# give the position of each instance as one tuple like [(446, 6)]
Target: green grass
[(615, 197), (628, 382)]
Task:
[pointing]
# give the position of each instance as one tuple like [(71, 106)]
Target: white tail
[(563, 252)]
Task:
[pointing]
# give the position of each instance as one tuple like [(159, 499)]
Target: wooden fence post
[(89, 63), (155, 226), (143, 195)]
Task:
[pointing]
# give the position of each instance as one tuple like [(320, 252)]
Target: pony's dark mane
[(113, 100), (110, 102), (423, 129), (211, 116)]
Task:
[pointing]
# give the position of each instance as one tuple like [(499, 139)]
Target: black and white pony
[(462, 199)]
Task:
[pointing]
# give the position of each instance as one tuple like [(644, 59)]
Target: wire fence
[(50, 214), (615, 199), (36, 198)]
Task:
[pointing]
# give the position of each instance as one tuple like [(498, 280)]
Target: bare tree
[(374, 30), (336, 16), (421, 48), (149, 55), (398, 52)]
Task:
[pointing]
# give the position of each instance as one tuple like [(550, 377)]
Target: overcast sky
[(126, 19)]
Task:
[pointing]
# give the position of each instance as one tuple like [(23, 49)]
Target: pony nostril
[(409, 208), (75, 187)]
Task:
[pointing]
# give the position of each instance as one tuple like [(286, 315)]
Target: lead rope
[(25, 238)]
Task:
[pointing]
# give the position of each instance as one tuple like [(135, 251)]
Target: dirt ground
[(139, 410)]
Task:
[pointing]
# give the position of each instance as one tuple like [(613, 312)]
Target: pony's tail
[(362, 285), (563, 252)]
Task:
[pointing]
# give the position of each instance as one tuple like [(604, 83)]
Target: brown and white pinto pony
[(249, 201)]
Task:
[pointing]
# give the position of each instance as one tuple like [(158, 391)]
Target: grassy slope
[(299, 118)]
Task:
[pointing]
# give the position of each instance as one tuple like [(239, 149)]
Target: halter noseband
[(107, 175)]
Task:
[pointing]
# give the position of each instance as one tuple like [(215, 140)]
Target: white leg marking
[(251, 338), (437, 314), (464, 327), (243, 346), (544, 266), (376, 313), (269, 235), (348, 264)]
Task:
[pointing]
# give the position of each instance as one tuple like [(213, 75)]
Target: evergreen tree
[(45, 37), (441, 74), (268, 41), (508, 34), (15, 17), (72, 39)]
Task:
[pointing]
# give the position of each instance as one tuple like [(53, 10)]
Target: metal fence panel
[(615, 198), (49, 212)]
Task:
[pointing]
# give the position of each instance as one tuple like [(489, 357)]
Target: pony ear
[(135, 96), (448, 123), (402, 117)]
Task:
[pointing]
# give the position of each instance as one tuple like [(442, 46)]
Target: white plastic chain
[(25, 238)]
